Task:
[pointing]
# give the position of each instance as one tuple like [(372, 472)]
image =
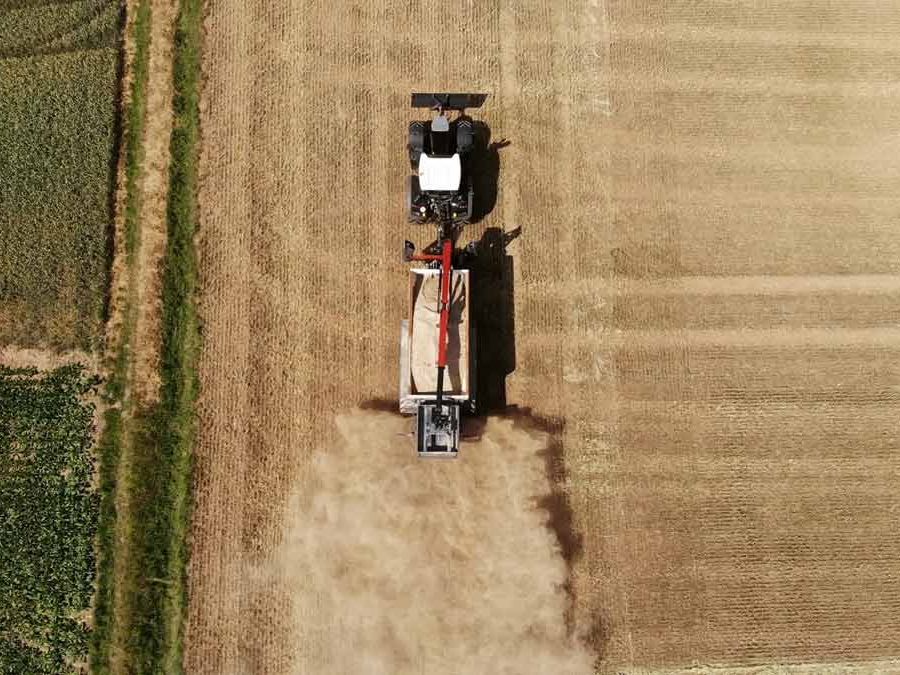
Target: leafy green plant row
[(48, 518), (57, 141)]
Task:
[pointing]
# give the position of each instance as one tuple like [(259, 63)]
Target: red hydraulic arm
[(446, 260), (446, 273)]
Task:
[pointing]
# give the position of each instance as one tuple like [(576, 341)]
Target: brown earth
[(702, 299), (402, 565), (44, 359), (154, 189), (136, 283)]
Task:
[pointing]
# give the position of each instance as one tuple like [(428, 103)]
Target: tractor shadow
[(485, 170)]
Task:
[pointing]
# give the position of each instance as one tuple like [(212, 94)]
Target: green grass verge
[(110, 446), (146, 603), (180, 353), (57, 141)]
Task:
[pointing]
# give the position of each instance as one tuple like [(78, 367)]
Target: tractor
[(437, 355)]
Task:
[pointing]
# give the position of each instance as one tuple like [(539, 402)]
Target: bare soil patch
[(45, 359), (419, 566)]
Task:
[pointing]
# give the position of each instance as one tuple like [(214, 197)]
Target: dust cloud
[(400, 565)]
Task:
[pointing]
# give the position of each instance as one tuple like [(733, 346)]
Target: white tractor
[(437, 357)]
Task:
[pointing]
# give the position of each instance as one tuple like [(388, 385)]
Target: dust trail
[(400, 565)]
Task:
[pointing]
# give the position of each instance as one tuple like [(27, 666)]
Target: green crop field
[(48, 519), (59, 66), (83, 24)]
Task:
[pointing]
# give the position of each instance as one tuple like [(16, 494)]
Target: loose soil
[(702, 298), (417, 566)]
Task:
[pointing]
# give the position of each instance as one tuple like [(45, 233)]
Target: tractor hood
[(441, 174)]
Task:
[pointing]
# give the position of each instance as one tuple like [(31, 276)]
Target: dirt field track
[(706, 289)]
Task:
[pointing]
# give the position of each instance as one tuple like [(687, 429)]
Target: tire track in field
[(142, 278)]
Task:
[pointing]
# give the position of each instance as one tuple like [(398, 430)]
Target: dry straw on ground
[(431, 567), (732, 498)]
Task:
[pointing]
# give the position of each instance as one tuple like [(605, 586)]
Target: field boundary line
[(703, 285), (886, 667), (823, 338)]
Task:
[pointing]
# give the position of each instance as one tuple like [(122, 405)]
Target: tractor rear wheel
[(465, 136), (416, 143)]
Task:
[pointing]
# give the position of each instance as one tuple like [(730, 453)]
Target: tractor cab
[(440, 174), (440, 149), (439, 133), (436, 367)]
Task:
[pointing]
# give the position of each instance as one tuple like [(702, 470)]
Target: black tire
[(472, 403), (412, 196), (416, 143), (465, 137)]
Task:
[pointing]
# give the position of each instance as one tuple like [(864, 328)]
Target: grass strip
[(145, 614), (115, 431), (163, 505)]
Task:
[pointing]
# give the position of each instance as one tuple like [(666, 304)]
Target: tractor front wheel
[(416, 142), (465, 136)]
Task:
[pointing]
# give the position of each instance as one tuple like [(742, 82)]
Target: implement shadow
[(493, 314), (493, 307)]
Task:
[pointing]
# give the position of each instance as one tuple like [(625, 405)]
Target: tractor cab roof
[(440, 124), (440, 174)]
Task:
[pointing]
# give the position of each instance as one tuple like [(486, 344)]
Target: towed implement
[(437, 357)]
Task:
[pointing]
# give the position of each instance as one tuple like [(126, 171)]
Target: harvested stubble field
[(705, 292)]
